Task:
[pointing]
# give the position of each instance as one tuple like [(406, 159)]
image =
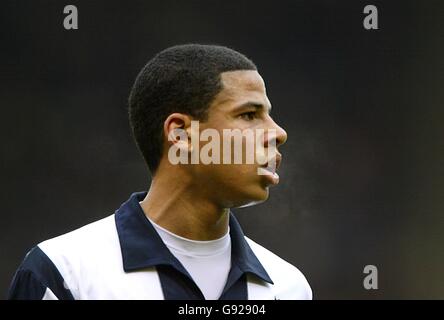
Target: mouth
[(269, 169)]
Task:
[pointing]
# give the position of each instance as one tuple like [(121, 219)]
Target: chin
[(258, 197)]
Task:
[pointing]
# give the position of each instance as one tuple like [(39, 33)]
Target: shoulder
[(57, 264), (38, 278), (85, 241), (289, 281)]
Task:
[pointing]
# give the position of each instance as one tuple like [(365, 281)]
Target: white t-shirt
[(208, 262)]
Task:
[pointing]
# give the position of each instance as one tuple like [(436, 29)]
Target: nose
[(280, 134)]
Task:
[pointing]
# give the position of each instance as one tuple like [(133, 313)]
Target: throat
[(192, 220)]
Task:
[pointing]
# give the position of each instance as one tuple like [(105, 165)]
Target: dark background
[(362, 177)]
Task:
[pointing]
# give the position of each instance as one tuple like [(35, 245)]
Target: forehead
[(244, 80), (241, 86)]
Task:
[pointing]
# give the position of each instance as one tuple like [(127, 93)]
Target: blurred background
[(362, 177)]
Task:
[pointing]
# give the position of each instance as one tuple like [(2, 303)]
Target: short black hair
[(184, 79)]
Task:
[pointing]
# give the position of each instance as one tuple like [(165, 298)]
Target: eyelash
[(253, 113)]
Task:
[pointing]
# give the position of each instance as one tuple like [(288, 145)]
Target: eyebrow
[(256, 105)]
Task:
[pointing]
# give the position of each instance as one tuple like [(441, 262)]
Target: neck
[(175, 203)]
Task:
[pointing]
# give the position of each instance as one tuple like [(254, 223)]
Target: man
[(179, 240)]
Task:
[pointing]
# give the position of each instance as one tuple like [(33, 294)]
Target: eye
[(248, 115)]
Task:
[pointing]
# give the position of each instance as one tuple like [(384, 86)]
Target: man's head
[(220, 88), (183, 79)]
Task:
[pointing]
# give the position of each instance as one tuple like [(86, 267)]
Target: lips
[(273, 164), (269, 169)]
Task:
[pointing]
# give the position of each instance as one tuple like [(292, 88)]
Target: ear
[(177, 129)]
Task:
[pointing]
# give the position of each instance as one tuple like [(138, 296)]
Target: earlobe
[(177, 130), (178, 148)]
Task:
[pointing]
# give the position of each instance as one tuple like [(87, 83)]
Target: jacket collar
[(142, 247)]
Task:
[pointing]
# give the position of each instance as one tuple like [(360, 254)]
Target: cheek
[(241, 146), (238, 176), (229, 174)]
